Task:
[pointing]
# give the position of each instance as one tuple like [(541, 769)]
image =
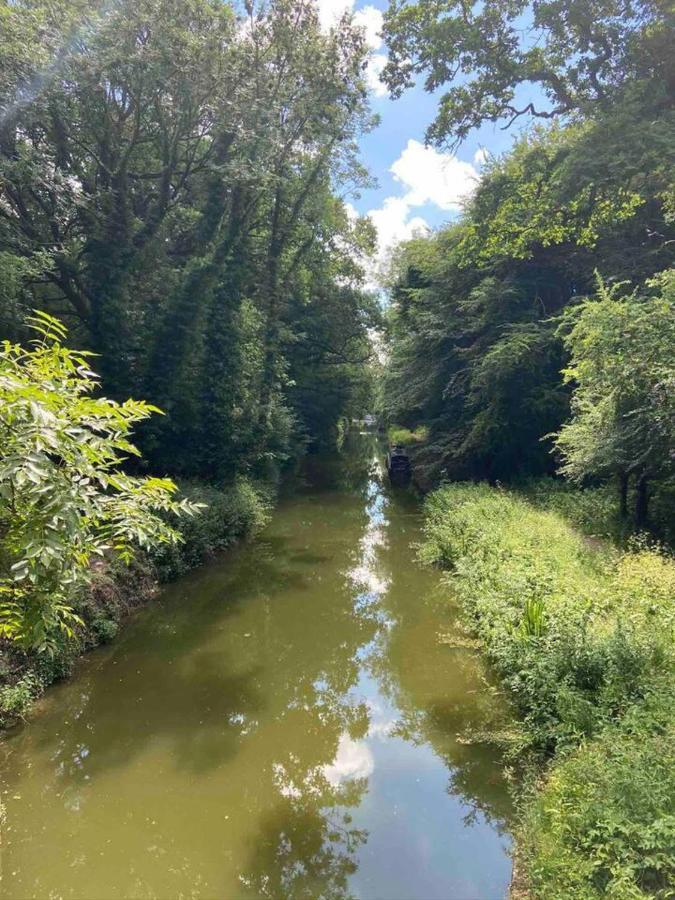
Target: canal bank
[(286, 722)]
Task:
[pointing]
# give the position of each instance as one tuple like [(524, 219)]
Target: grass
[(593, 510), (584, 637), (397, 434)]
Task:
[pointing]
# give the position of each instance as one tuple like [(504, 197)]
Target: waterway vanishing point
[(285, 722)]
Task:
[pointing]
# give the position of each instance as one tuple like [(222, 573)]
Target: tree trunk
[(641, 502), (624, 478)]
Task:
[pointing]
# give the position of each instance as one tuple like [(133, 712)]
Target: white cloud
[(428, 177), (331, 11), (376, 64), (433, 177), (370, 19), (352, 212), (394, 224), (481, 156), (353, 760)]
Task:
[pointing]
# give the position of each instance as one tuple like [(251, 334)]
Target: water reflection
[(284, 725)]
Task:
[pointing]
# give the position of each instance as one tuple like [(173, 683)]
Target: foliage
[(227, 514), (585, 640), (63, 498), (592, 510), (598, 625), (405, 436), (604, 822), (622, 363), (16, 699), (474, 348), (580, 53), (105, 630), (183, 161)]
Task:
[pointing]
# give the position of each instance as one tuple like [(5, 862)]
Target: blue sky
[(418, 186)]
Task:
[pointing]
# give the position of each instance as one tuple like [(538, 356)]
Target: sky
[(418, 187)]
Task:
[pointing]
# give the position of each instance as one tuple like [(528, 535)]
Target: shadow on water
[(285, 723)]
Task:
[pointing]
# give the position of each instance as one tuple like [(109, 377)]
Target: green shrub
[(65, 501), (604, 823), (105, 630), (230, 514), (16, 699), (594, 510), (584, 638), (577, 633), (58, 664)]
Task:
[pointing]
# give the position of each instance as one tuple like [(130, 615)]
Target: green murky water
[(282, 724)]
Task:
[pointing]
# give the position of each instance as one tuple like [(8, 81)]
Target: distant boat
[(398, 465)]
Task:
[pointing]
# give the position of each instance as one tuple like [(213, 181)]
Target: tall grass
[(584, 637)]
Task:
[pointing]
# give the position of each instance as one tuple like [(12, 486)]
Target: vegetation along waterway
[(285, 722)]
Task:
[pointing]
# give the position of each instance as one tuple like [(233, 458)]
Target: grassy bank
[(229, 515), (583, 636)]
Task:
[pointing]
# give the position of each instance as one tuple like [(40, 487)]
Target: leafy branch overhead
[(580, 54)]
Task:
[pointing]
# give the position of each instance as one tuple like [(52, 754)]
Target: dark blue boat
[(398, 465)]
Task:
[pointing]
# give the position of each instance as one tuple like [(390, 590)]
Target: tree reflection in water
[(307, 845), (227, 745)]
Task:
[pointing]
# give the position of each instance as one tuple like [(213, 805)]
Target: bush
[(399, 435), (584, 637), (59, 663), (231, 513), (105, 630), (16, 699), (604, 823), (593, 510), (64, 497)]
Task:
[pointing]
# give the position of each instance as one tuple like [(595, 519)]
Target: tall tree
[(474, 349), (171, 172), (622, 366)]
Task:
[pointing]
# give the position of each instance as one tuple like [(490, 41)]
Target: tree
[(184, 164), (474, 352), (104, 150), (622, 366), (579, 53), (64, 498)]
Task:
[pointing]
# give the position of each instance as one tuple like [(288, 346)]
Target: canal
[(286, 722)]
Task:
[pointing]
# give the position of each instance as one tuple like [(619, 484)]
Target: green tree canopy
[(622, 366), (181, 165), (580, 53)]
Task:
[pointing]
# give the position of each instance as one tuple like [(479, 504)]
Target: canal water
[(286, 722)]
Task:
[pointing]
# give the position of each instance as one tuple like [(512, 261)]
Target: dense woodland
[(173, 177), (486, 313)]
